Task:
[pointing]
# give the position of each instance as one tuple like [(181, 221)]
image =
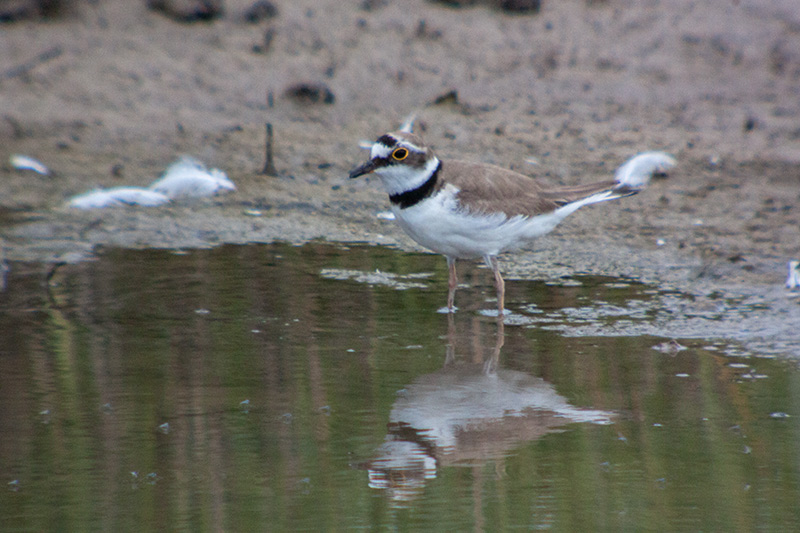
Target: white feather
[(408, 123), (637, 171), (23, 162), (189, 178), (117, 196), (793, 281)]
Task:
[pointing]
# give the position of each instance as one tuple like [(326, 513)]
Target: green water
[(268, 388)]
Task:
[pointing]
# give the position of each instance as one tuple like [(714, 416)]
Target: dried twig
[(269, 165), (24, 68)]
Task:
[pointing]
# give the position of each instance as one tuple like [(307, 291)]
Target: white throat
[(398, 179)]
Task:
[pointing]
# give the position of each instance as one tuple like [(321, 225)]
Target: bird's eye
[(399, 154)]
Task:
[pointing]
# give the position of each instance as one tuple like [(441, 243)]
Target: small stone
[(519, 6), (370, 5), (16, 10), (188, 10), (455, 3), (311, 93), (260, 10), (450, 97)]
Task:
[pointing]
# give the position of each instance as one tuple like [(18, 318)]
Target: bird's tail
[(630, 178), (636, 172)]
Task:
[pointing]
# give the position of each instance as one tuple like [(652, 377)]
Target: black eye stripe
[(382, 161)]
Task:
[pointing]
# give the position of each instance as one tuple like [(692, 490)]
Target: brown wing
[(573, 193), (488, 188)]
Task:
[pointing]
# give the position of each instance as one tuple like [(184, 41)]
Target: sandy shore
[(111, 92)]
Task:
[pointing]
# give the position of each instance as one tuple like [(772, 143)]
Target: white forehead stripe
[(379, 150)]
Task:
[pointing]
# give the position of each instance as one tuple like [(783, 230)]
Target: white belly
[(437, 224)]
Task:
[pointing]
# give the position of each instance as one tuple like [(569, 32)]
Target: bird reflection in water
[(466, 414)]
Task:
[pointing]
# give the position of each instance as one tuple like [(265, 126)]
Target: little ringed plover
[(467, 210)]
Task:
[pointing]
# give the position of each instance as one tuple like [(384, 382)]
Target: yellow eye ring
[(399, 154)]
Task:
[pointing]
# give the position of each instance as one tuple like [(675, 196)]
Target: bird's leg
[(490, 365), (452, 284), (499, 284), (450, 350)]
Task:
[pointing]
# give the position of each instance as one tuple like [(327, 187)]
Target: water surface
[(316, 388)]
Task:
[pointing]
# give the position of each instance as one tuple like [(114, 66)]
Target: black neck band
[(414, 196)]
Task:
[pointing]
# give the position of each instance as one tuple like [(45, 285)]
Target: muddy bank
[(109, 93)]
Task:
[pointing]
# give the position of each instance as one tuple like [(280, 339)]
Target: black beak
[(366, 168)]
